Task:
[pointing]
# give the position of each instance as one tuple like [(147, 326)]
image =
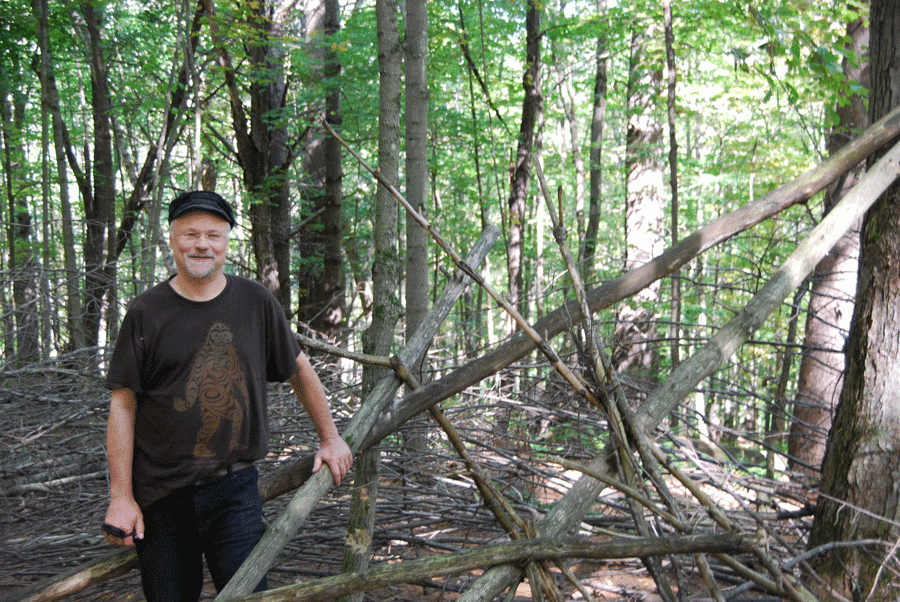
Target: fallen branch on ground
[(517, 551)]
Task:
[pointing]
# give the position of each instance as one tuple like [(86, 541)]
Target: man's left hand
[(336, 454)]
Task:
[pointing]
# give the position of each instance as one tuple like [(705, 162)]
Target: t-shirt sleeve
[(124, 371), (283, 347)]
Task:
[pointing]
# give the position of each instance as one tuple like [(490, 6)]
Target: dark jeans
[(221, 521)]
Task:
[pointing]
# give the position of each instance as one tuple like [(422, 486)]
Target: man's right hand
[(123, 523)]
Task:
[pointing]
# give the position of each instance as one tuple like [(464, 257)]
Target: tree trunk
[(598, 117), (100, 202), (833, 286), (675, 328), (416, 114), (862, 457), (519, 184), (415, 439), (643, 206), (262, 146), (267, 181), (521, 170), (321, 290), (378, 338)]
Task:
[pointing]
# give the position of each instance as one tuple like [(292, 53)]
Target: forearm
[(334, 451), (311, 394), (120, 443)]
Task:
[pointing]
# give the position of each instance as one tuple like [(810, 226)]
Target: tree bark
[(833, 286), (635, 330), (520, 550), (671, 80), (416, 113), (415, 439), (598, 118), (521, 170), (100, 200), (378, 338), (262, 145), (862, 457), (321, 291), (520, 177)]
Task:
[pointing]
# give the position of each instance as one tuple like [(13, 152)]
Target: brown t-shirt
[(199, 372)]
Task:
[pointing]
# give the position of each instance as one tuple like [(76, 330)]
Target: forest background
[(644, 122)]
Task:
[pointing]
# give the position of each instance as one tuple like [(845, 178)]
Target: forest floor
[(53, 481)]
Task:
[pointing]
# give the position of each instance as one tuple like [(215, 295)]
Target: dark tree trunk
[(100, 200), (262, 144), (321, 291), (521, 171), (862, 457)]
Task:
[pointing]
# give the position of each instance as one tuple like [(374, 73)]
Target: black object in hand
[(117, 532)]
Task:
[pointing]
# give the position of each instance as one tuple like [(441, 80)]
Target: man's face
[(198, 241)]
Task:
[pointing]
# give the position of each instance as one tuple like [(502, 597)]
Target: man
[(188, 410)]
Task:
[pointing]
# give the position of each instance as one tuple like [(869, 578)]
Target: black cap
[(201, 200)]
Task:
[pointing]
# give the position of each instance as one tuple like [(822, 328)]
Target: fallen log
[(518, 551)]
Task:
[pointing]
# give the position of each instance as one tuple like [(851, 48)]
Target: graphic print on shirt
[(217, 384)]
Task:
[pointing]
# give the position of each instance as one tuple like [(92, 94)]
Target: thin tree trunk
[(378, 338), (562, 52), (532, 105), (521, 171), (415, 439), (675, 329), (416, 113), (598, 117)]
